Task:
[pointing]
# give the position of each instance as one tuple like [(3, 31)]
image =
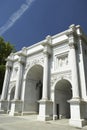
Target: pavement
[(30, 123)]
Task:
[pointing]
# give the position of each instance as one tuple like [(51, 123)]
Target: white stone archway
[(62, 93), (54, 63), (33, 89)]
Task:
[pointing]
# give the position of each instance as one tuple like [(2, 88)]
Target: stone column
[(45, 104), (73, 64), (19, 80), (45, 77), (16, 105), (6, 80), (76, 103)]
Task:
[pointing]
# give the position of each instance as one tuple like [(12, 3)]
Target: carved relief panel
[(61, 62)]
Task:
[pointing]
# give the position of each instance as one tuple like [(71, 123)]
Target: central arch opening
[(63, 93), (33, 89)]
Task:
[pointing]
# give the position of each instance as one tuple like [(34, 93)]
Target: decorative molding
[(39, 61), (9, 64), (63, 61), (59, 76)]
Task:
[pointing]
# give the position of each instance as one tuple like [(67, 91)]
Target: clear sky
[(26, 22)]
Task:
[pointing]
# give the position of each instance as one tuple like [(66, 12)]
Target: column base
[(45, 110), (16, 108), (77, 123), (3, 106), (77, 107)]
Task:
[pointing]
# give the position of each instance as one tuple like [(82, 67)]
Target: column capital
[(72, 36), (47, 44), (22, 59), (72, 41), (9, 64), (49, 40), (72, 27), (22, 55)]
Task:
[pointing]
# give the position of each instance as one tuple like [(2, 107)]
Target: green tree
[(5, 49)]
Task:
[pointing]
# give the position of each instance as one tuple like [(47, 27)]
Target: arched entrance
[(62, 94), (33, 89), (11, 97)]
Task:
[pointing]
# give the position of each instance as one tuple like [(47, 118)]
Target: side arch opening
[(63, 93)]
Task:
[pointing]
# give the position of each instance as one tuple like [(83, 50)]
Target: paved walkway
[(30, 123)]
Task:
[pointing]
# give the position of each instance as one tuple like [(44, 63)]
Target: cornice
[(52, 41)]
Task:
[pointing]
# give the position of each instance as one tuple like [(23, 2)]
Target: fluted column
[(45, 76), (21, 62), (46, 52), (73, 63), (6, 80)]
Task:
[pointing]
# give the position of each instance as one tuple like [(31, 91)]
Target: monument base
[(3, 106), (16, 108), (45, 110), (77, 107)]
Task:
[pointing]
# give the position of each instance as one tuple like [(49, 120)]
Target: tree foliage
[(5, 49)]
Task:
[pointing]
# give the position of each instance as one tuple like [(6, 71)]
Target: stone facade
[(49, 79)]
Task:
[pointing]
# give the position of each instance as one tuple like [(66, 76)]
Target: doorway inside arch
[(33, 89), (62, 94)]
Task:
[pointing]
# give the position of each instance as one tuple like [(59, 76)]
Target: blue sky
[(26, 22)]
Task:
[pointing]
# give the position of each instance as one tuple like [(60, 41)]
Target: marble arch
[(62, 57)]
